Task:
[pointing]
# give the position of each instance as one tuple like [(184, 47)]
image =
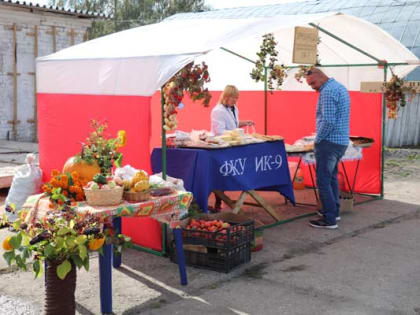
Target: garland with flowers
[(395, 95), (191, 79), (277, 72), (302, 72)]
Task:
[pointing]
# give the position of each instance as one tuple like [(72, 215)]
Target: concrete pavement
[(368, 266)]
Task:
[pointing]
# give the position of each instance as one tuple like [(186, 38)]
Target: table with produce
[(234, 161)]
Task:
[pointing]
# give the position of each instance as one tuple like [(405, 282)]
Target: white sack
[(27, 181)]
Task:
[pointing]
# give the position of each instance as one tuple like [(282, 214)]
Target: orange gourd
[(85, 170), (96, 243), (6, 244)]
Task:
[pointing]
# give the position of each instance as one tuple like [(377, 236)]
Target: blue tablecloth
[(261, 166)]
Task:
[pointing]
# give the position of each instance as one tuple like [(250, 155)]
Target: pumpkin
[(85, 170)]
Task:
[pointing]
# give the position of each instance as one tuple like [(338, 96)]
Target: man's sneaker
[(321, 214), (322, 224)]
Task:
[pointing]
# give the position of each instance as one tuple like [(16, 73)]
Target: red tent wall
[(64, 122), (292, 115)]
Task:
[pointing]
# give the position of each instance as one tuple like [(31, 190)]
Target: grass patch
[(213, 286), (413, 157), (295, 268), (157, 304), (392, 163), (255, 272)]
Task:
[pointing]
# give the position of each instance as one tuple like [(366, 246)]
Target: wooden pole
[(35, 119), (15, 74), (72, 35), (54, 37)]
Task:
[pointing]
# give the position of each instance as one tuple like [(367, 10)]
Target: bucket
[(298, 183)]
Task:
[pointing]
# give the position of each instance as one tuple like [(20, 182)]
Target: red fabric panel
[(145, 232), (64, 122), (292, 115)]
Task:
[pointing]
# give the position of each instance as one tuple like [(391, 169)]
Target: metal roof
[(400, 18), (54, 9)]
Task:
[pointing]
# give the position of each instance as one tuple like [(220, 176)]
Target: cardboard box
[(346, 201)]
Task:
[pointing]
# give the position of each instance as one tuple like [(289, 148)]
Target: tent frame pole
[(237, 55), (265, 100), (162, 101), (383, 135), (346, 43), (355, 65)]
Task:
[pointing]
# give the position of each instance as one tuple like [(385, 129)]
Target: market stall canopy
[(140, 60)]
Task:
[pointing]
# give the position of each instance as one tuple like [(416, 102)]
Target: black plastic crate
[(235, 235), (222, 260)]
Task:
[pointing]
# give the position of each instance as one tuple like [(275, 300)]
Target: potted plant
[(62, 240)]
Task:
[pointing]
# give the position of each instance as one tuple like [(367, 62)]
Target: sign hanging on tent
[(305, 45), (379, 87)]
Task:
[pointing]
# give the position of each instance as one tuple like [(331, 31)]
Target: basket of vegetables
[(137, 189), (103, 191)]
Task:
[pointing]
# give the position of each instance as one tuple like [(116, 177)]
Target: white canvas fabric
[(140, 60)]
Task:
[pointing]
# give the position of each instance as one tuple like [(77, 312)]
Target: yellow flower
[(122, 138)]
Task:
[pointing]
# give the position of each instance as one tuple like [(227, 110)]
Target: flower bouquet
[(99, 152), (62, 187)]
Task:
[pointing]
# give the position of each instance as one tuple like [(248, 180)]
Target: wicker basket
[(136, 196), (104, 197)]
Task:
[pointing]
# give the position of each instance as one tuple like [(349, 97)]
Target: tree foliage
[(125, 14)]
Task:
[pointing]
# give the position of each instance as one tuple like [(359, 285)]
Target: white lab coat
[(222, 119)]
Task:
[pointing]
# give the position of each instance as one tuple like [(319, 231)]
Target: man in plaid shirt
[(331, 141)]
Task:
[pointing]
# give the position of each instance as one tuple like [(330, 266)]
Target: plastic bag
[(173, 182), (27, 181), (126, 172)]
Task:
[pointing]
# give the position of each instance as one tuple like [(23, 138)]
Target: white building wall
[(26, 21)]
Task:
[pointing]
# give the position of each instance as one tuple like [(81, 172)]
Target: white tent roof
[(140, 60)]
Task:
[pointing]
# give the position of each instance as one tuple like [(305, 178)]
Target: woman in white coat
[(225, 115)]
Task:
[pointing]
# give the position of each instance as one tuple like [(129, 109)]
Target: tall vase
[(59, 294)]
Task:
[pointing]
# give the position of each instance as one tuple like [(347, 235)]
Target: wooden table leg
[(239, 203), (263, 204), (225, 198), (180, 255)]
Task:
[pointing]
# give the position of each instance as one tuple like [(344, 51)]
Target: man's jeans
[(327, 156)]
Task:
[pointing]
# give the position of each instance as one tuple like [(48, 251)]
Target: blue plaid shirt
[(333, 113)]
